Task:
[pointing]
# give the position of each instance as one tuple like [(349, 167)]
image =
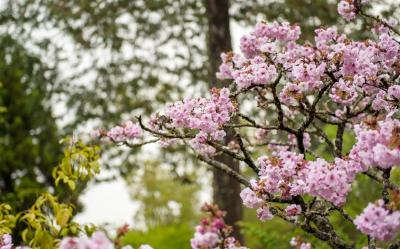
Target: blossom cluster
[(348, 8), (98, 240), (358, 70), (205, 115), (6, 243), (361, 68), (253, 68), (287, 174), (293, 210), (328, 180), (120, 133), (282, 173), (378, 221), (378, 143), (213, 232)]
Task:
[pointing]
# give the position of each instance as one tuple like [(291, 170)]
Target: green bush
[(162, 237)]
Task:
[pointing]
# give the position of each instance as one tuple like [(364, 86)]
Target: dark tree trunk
[(226, 189)]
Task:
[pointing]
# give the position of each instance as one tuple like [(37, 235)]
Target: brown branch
[(339, 139), (161, 134), (322, 134), (342, 212), (311, 112), (311, 115), (243, 90), (377, 19), (136, 145), (371, 243), (374, 176), (278, 106), (331, 238), (386, 185), (254, 123), (247, 158), (395, 245), (225, 150), (324, 120), (225, 169)]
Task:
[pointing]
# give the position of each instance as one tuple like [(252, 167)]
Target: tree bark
[(226, 189)]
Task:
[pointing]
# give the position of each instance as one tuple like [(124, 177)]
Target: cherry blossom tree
[(297, 90)]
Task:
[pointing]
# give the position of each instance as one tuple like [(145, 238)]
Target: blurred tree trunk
[(226, 190)]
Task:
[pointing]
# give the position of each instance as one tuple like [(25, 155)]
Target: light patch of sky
[(109, 204), (2, 5)]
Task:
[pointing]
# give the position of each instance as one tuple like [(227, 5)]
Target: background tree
[(29, 135)]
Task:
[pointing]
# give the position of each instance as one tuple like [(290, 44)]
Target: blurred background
[(70, 66)]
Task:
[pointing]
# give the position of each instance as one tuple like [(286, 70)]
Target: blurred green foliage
[(29, 145), (49, 218), (164, 197), (80, 163), (7, 219), (170, 236)]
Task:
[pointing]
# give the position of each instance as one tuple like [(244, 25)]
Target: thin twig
[(248, 160)]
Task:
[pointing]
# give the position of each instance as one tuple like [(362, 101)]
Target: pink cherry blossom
[(205, 115), (293, 210), (250, 198), (263, 213), (347, 9), (343, 93), (6, 241), (377, 144), (121, 133), (378, 222)]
